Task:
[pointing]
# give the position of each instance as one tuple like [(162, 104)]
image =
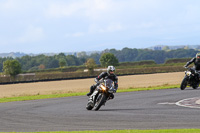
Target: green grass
[(150, 88), (35, 97), (129, 131)]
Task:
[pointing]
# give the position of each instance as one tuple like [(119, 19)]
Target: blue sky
[(43, 26)]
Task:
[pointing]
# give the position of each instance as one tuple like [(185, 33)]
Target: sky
[(54, 26)]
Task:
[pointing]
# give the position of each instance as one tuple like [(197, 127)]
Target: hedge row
[(178, 60), (79, 75), (138, 63)]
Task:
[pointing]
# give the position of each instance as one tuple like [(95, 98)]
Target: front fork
[(93, 97)]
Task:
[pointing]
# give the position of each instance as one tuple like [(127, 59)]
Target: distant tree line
[(125, 55), (159, 56)]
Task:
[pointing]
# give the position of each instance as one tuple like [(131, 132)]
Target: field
[(82, 85)]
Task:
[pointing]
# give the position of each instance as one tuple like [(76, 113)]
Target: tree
[(72, 60), (166, 48), (129, 54), (11, 67), (90, 65), (62, 62), (186, 47), (60, 56), (52, 63), (82, 55), (108, 59), (2, 60), (41, 66), (96, 57)]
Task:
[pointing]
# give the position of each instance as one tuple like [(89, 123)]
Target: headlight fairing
[(103, 87), (188, 73)]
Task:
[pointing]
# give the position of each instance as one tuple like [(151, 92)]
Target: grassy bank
[(128, 131), (35, 97)]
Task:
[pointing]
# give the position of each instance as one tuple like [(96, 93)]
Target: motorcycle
[(101, 94), (191, 79)]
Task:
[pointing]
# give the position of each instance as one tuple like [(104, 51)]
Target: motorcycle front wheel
[(101, 99), (183, 84), (89, 106)]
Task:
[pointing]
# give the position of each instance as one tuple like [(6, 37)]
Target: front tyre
[(101, 99), (183, 84), (89, 106)]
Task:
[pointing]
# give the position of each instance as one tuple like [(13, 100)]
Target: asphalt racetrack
[(156, 109)]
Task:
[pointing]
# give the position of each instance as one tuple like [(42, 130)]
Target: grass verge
[(128, 131), (35, 97), (166, 86)]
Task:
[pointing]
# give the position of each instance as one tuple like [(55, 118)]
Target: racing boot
[(111, 96), (92, 88)]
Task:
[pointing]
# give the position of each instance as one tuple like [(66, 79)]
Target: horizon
[(95, 51), (58, 26)]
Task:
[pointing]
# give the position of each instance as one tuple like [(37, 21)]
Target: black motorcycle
[(191, 79), (100, 95)]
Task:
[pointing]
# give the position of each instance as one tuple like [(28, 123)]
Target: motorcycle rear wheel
[(183, 84)]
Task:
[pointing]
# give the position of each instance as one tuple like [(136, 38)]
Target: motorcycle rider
[(106, 75), (196, 61)]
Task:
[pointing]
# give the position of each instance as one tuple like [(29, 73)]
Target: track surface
[(134, 110)]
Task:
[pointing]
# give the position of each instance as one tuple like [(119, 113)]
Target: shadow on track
[(190, 89)]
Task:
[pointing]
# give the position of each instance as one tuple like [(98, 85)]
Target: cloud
[(7, 5), (77, 34), (112, 27), (32, 34), (91, 9), (95, 29), (13, 6), (56, 10), (63, 9), (23, 39), (192, 13)]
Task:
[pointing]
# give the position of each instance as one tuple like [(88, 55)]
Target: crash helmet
[(110, 70), (198, 56)]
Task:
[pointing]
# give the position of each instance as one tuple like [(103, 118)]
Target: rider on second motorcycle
[(106, 75), (196, 61)]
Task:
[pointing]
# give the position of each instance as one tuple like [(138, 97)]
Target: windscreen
[(108, 83)]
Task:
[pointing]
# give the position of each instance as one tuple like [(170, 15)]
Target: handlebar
[(191, 69)]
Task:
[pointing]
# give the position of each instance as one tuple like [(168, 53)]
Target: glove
[(185, 66), (112, 90)]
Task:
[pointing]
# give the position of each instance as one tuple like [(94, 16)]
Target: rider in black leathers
[(196, 61), (106, 75)]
